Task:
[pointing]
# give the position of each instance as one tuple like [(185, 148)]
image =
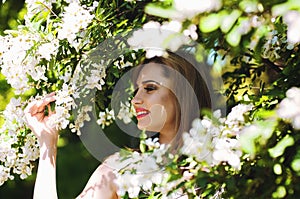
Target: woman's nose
[(137, 99)]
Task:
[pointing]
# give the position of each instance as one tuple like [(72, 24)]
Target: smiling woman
[(154, 99), (173, 90), (170, 93)]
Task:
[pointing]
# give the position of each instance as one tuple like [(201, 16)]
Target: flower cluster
[(293, 26), (209, 143), (27, 56), (138, 172), (126, 112), (188, 9), (155, 37), (15, 63), (75, 19), (16, 158), (289, 108), (216, 140), (106, 117)]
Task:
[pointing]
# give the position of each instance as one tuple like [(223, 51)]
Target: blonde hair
[(188, 107)]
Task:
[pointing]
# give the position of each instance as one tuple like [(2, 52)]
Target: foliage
[(254, 45)]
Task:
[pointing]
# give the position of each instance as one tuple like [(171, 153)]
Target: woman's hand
[(40, 123)]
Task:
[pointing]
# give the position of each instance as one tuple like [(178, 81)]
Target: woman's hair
[(190, 89)]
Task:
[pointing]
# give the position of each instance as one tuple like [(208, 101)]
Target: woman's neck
[(166, 136)]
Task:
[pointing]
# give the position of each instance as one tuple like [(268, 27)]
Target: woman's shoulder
[(101, 183), (114, 162)]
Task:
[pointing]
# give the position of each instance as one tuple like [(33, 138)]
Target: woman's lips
[(140, 113)]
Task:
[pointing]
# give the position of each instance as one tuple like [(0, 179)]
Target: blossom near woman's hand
[(40, 122)]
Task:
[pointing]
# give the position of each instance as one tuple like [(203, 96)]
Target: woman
[(168, 92)]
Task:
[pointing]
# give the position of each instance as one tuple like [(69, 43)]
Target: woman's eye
[(150, 88)]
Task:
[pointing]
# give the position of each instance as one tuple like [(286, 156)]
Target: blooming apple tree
[(80, 49)]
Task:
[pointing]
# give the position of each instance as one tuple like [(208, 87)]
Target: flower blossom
[(214, 140), (96, 78), (20, 57), (227, 150), (290, 18), (155, 38), (136, 172), (74, 19), (13, 114), (125, 112), (83, 115), (14, 62), (106, 117), (64, 102), (188, 9), (236, 117), (46, 50), (121, 64), (15, 158), (289, 108), (198, 141)]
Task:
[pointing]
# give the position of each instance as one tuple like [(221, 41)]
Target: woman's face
[(154, 102)]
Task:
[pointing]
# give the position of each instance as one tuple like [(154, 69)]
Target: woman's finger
[(40, 116), (49, 109), (40, 105)]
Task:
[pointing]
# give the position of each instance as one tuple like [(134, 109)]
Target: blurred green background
[(74, 163)]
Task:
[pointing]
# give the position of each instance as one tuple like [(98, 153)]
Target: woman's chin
[(142, 127), (149, 128)]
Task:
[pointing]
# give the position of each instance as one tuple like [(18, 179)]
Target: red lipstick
[(141, 112)]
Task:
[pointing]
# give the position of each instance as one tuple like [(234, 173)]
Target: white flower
[(128, 182), (106, 118), (38, 73), (236, 117), (191, 32), (227, 150), (64, 102), (18, 59), (189, 8), (125, 112), (4, 174), (66, 76), (95, 80), (47, 49), (13, 111), (198, 142), (237, 112), (289, 108), (152, 143), (83, 115), (74, 19), (155, 38), (121, 64), (291, 19)]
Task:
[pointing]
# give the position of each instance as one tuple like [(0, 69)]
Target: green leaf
[(210, 23), (262, 113), (143, 146), (234, 37), (278, 150), (296, 165), (281, 9), (280, 192), (258, 133), (155, 10), (229, 20)]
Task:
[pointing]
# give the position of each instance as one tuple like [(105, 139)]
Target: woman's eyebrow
[(150, 81), (145, 82)]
